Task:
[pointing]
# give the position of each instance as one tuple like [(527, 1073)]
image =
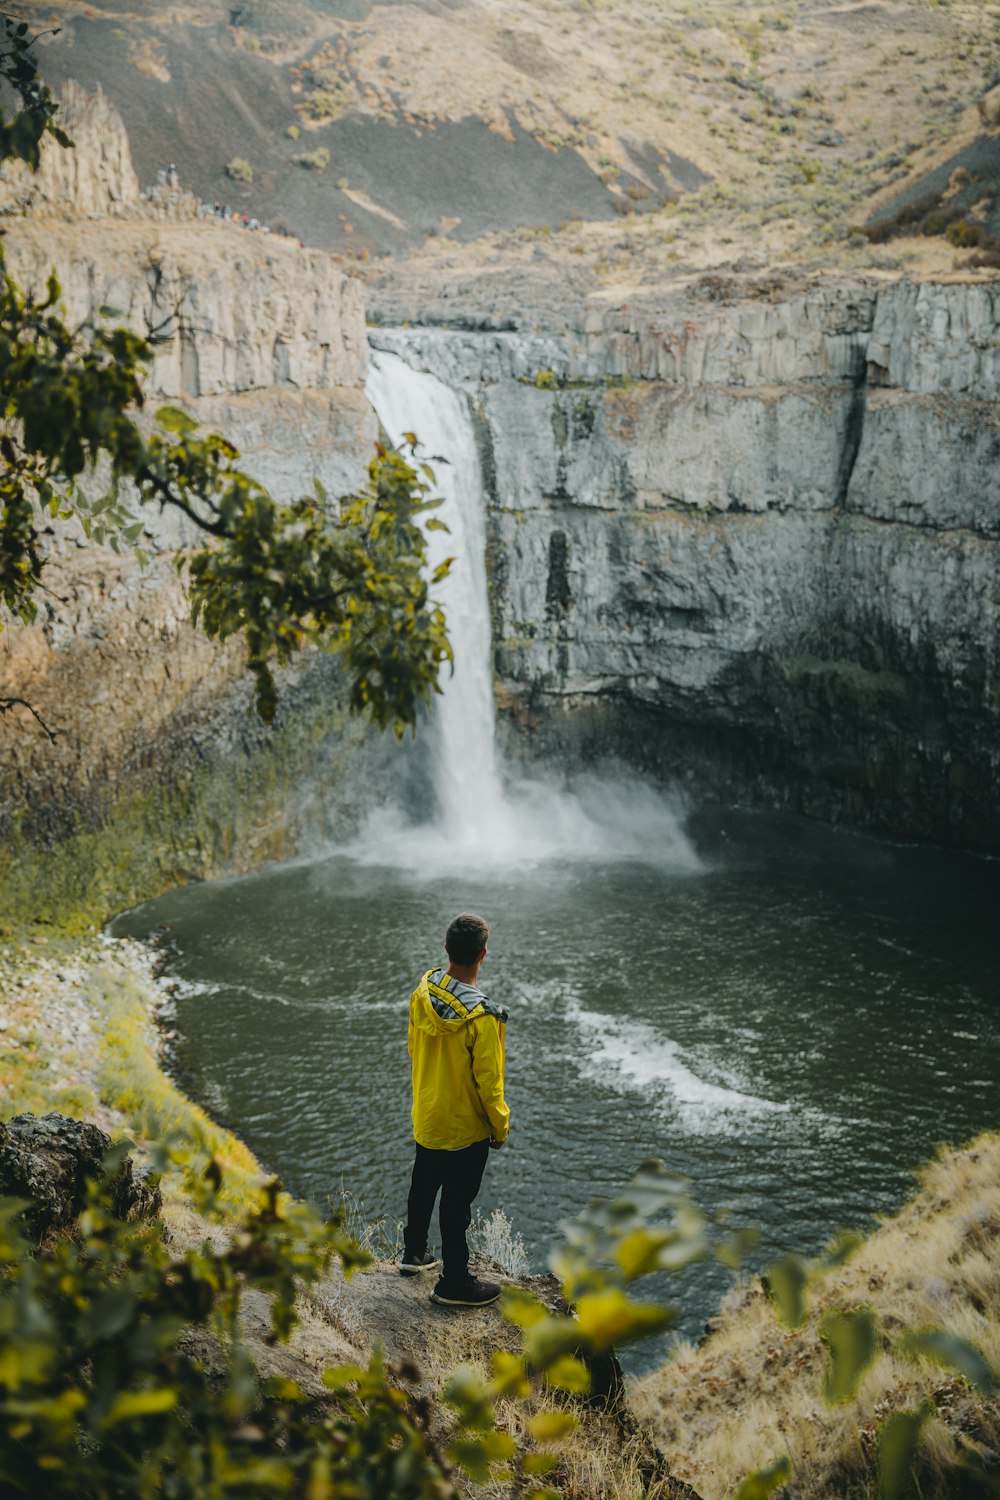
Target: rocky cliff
[(749, 535), (93, 179), (260, 340)]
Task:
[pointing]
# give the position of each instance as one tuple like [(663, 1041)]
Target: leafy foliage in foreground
[(123, 1371), (349, 578)]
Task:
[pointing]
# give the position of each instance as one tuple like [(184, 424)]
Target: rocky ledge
[(748, 534)]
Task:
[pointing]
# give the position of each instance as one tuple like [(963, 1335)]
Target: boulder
[(49, 1159)]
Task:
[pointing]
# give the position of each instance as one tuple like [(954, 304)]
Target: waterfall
[(467, 780), (482, 822)]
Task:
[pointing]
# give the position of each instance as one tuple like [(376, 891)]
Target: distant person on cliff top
[(456, 1043)]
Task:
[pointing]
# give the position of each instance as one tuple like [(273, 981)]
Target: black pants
[(458, 1174)]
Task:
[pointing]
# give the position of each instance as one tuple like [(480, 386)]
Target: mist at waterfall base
[(794, 1017), (481, 821)]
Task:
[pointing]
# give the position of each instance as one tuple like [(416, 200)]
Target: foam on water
[(632, 1056), (482, 823)]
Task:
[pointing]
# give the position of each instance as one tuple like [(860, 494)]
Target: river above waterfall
[(793, 1016)]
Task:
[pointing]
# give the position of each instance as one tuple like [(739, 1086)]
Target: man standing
[(456, 1043)]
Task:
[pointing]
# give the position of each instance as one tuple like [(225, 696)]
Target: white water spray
[(482, 824), (468, 783)]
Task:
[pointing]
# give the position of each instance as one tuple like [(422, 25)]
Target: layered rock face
[(750, 537), (94, 179), (262, 341)]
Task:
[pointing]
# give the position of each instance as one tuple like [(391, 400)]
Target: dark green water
[(793, 1016)]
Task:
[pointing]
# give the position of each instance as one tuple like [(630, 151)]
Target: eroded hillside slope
[(683, 135)]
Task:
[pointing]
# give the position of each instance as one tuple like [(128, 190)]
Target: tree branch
[(6, 704), (167, 496)]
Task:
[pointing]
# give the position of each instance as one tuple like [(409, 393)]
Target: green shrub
[(103, 1392), (293, 132), (315, 161), (964, 235), (328, 78), (239, 169), (323, 104)]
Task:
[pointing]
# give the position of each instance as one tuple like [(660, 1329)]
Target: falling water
[(468, 783), (482, 821)]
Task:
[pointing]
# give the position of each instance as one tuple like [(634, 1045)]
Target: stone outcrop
[(94, 179), (48, 1160), (262, 341), (750, 535)]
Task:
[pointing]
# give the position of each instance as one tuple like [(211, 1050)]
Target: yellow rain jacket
[(456, 1042)]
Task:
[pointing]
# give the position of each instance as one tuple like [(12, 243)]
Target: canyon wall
[(749, 537), (742, 533), (262, 341)]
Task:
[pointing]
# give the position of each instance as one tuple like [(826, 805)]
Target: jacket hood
[(441, 1004)]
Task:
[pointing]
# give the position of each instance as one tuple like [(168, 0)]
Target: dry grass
[(802, 114), (751, 1391), (78, 1034)]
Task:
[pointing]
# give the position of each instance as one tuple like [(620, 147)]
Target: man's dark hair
[(466, 938)]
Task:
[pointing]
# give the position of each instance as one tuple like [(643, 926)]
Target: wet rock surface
[(49, 1160), (747, 535)]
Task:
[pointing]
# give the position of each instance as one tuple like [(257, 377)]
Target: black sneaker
[(468, 1293), (412, 1265)]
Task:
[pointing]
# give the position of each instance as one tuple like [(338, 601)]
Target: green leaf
[(521, 1307), (548, 1426), (339, 1377), (110, 1312), (509, 1376), (653, 1188), (175, 419), (470, 1396), (281, 1388), (851, 1339), (733, 1251), (898, 1441), (610, 1317), (498, 1446), (132, 1404), (786, 1283), (549, 1340), (569, 1374), (638, 1253), (472, 1455), (539, 1463), (763, 1482), (952, 1353), (840, 1249)]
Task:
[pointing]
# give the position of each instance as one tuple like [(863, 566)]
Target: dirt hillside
[(605, 140)]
